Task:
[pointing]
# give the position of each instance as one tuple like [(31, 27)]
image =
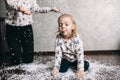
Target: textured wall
[(98, 23)]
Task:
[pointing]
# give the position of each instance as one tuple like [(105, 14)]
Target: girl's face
[(66, 26)]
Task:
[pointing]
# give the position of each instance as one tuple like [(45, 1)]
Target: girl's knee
[(86, 65), (63, 70)]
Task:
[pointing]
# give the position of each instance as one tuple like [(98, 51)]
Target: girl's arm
[(80, 55), (80, 58), (12, 4), (58, 57), (58, 54), (35, 8), (23, 10)]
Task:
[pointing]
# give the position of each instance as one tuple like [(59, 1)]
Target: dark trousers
[(65, 65), (20, 42)]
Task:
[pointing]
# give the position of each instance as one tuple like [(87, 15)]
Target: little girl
[(68, 48)]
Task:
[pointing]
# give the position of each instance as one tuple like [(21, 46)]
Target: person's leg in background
[(14, 43), (27, 44)]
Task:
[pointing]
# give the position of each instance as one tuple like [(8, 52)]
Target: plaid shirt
[(17, 18), (71, 50)]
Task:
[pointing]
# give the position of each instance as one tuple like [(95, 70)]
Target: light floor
[(102, 67)]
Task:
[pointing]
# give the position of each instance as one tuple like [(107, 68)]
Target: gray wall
[(98, 23)]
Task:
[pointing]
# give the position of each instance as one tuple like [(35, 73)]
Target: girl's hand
[(55, 9), (54, 72), (25, 11), (80, 74)]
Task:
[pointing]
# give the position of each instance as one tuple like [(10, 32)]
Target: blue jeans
[(65, 65)]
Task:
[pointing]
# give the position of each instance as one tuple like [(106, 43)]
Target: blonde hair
[(73, 21)]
